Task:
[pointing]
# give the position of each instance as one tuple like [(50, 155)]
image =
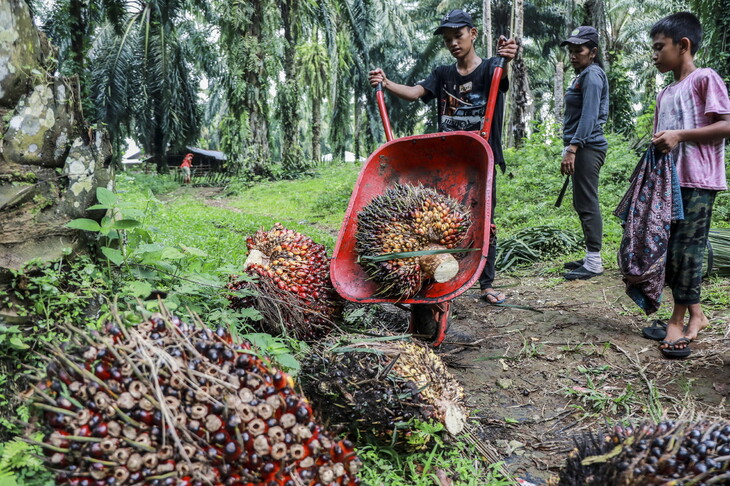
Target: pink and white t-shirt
[(691, 103)]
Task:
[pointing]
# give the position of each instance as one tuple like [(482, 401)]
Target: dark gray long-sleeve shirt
[(586, 109)]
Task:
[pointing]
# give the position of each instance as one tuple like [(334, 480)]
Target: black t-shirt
[(462, 101)]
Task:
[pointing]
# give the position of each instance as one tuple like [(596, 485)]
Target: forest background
[(275, 84)]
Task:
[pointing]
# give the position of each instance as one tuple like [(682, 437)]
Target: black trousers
[(588, 162), (486, 279)]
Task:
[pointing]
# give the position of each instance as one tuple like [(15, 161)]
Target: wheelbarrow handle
[(383, 112), (492, 99)]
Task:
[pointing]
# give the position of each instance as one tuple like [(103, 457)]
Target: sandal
[(657, 331), (672, 352), (485, 296)]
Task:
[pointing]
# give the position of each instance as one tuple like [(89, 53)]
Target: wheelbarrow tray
[(459, 164)]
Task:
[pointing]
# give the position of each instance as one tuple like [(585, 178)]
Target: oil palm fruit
[(667, 453), (293, 289), (165, 402), (408, 218), (380, 387)]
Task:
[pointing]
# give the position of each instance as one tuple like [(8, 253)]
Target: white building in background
[(349, 157)]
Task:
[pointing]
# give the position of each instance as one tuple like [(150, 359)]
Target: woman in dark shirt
[(586, 110)]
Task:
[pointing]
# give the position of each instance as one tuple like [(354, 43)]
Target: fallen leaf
[(504, 365), (443, 478)]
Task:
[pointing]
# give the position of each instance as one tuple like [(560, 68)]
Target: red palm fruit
[(235, 420), (293, 284)]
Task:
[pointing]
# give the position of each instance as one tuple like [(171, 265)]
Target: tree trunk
[(519, 87), (48, 173), (487, 34), (293, 160), (78, 31), (558, 92), (316, 129), (595, 14), (358, 124), (246, 127)]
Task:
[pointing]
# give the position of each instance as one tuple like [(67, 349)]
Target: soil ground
[(567, 358), (575, 362)]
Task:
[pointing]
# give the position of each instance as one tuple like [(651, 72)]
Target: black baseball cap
[(581, 35), (455, 19)]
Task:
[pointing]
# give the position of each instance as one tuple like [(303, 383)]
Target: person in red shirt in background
[(185, 166)]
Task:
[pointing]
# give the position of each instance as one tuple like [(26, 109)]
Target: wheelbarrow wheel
[(430, 322)]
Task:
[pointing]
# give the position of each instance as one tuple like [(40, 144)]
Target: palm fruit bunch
[(165, 402), (408, 218), (293, 290), (379, 388), (666, 453)]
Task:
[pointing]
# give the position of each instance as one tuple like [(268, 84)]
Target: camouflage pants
[(687, 244)]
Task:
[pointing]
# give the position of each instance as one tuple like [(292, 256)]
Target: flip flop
[(656, 332), (492, 294), (672, 353)]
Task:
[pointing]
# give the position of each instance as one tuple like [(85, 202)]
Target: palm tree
[(144, 81), (716, 22), (71, 26), (292, 160), (314, 73), (249, 46), (519, 81)]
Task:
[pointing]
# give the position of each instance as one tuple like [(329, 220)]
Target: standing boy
[(692, 121), (461, 90)]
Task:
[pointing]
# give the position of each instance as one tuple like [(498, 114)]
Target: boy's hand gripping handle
[(383, 112), (492, 99)]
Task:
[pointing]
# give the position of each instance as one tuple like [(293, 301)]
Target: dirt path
[(573, 363), (579, 364)]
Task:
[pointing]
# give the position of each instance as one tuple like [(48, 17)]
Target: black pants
[(588, 162), (486, 279)]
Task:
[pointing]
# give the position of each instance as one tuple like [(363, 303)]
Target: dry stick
[(640, 370), (161, 398), (463, 346), (486, 449)]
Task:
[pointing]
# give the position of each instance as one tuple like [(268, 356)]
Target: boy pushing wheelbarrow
[(459, 163)]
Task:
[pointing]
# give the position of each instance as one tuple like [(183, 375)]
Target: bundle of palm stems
[(291, 285), (719, 242), (667, 453), (378, 387), (532, 245), (165, 402), (404, 220)]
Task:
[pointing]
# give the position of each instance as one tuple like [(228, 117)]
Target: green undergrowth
[(456, 462), (318, 202)]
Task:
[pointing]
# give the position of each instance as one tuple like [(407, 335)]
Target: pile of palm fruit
[(379, 388), (165, 402), (408, 218), (665, 453), (293, 289)]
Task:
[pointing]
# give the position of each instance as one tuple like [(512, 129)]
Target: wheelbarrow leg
[(431, 321)]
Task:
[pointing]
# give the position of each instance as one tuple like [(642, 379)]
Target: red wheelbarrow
[(459, 164)]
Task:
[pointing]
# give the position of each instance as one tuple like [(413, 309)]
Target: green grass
[(318, 202), (385, 467)]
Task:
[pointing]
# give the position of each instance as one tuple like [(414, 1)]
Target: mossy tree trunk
[(48, 172)]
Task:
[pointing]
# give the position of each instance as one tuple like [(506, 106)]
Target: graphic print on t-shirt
[(462, 108)]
